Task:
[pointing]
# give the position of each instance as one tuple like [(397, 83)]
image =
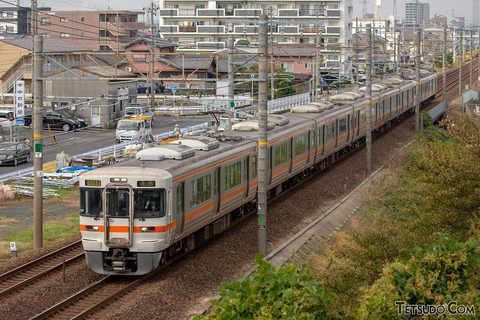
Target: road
[(79, 142)]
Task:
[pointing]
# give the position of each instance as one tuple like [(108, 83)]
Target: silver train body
[(175, 196)]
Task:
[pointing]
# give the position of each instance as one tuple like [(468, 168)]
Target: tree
[(283, 83)]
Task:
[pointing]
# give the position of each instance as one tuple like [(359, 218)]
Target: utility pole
[(37, 134), (262, 135), (272, 65), (460, 64), (417, 90), (318, 59), (231, 91), (368, 73), (444, 65), (471, 58), (153, 9), (357, 66)]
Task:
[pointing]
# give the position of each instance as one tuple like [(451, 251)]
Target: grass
[(53, 232)]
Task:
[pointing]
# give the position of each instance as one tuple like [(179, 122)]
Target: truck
[(130, 128), (137, 109)]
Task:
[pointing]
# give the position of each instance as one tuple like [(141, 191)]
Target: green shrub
[(275, 293), (442, 272)]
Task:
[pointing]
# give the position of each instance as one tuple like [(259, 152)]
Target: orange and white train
[(173, 197)]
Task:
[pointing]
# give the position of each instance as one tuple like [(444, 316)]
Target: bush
[(275, 293), (442, 272)]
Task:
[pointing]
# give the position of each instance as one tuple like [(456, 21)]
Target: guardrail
[(103, 152)]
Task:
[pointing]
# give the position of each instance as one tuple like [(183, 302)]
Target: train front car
[(124, 219)]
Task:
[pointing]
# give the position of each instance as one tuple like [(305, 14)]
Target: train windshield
[(91, 202), (149, 203)]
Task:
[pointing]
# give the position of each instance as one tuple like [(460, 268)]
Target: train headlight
[(91, 228), (147, 229)]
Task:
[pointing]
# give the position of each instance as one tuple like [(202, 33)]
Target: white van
[(6, 119)]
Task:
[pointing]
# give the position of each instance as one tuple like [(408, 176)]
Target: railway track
[(23, 276), (452, 77), (90, 300)]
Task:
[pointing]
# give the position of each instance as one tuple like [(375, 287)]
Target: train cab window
[(342, 127), (91, 202), (149, 203), (329, 132), (118, 203), (200, 190), (299, 145), (280, 154), (233, 175)]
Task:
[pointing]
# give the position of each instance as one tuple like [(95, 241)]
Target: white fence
[(103, 152)]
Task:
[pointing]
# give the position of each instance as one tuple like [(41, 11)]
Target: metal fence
[(102, 153)]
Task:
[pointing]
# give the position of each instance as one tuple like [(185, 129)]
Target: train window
[(319, 137), (91, 202), (280, 154), (216, 181), (312, 140), (329, 132), (363, 116), (149, 203), (233, 175), (342, 127), (254, 166), (180, 195), (200, 190), (299, 145)]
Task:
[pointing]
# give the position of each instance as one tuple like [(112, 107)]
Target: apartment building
[(97, 30), (416, 13), (14, 20), (206, 25)]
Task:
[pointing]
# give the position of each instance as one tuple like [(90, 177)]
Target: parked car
[(14, 152), (56, 120), (69, 113), (144, 87), (6, 119)]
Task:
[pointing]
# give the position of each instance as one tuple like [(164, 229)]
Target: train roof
[(194, 152)]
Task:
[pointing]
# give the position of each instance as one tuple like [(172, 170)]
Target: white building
[(206, 25)]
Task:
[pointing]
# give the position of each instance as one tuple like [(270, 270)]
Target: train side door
[(216, 191), (246, 176), (180, 208)]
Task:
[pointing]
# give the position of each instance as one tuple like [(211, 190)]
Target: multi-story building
[(476, 13), (457, 22), (97, 30), (14, 20), (207, 25), (416, 13)]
